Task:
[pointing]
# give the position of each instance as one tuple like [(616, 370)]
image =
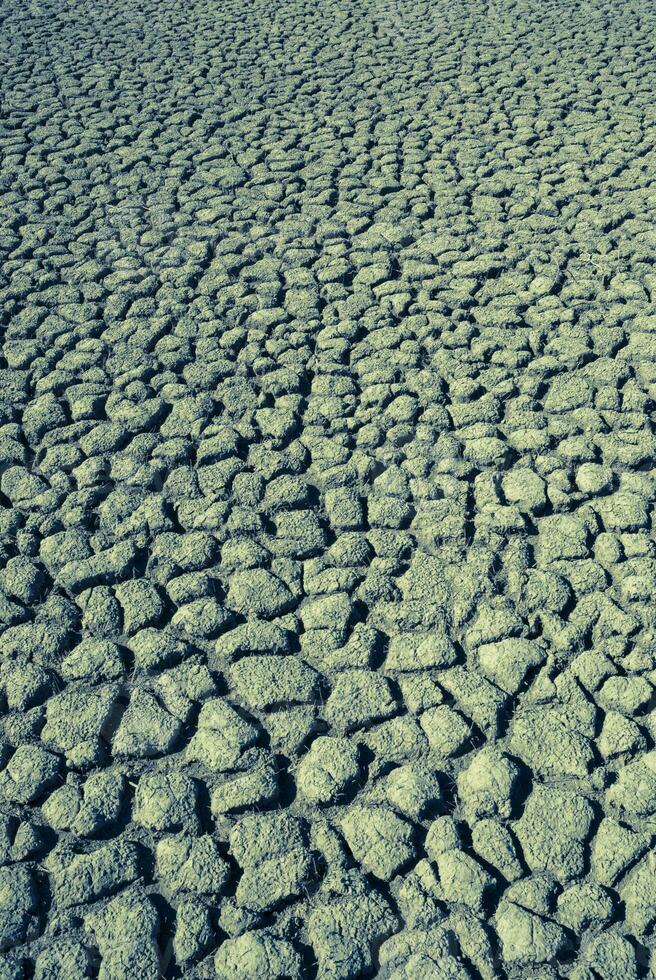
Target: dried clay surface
[(327, 477)]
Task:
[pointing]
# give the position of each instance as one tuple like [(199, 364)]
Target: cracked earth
[(327, 477)]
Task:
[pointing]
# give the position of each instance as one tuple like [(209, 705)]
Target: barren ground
[(327, 479)]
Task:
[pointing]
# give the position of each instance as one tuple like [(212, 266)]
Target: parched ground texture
[(327, 472)]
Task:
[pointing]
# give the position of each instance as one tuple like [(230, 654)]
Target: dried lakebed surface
[(327, 472)]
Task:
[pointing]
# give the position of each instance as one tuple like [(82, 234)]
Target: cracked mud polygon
[(327, 475)]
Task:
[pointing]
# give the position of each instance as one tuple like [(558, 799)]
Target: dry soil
[(327, 480)]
